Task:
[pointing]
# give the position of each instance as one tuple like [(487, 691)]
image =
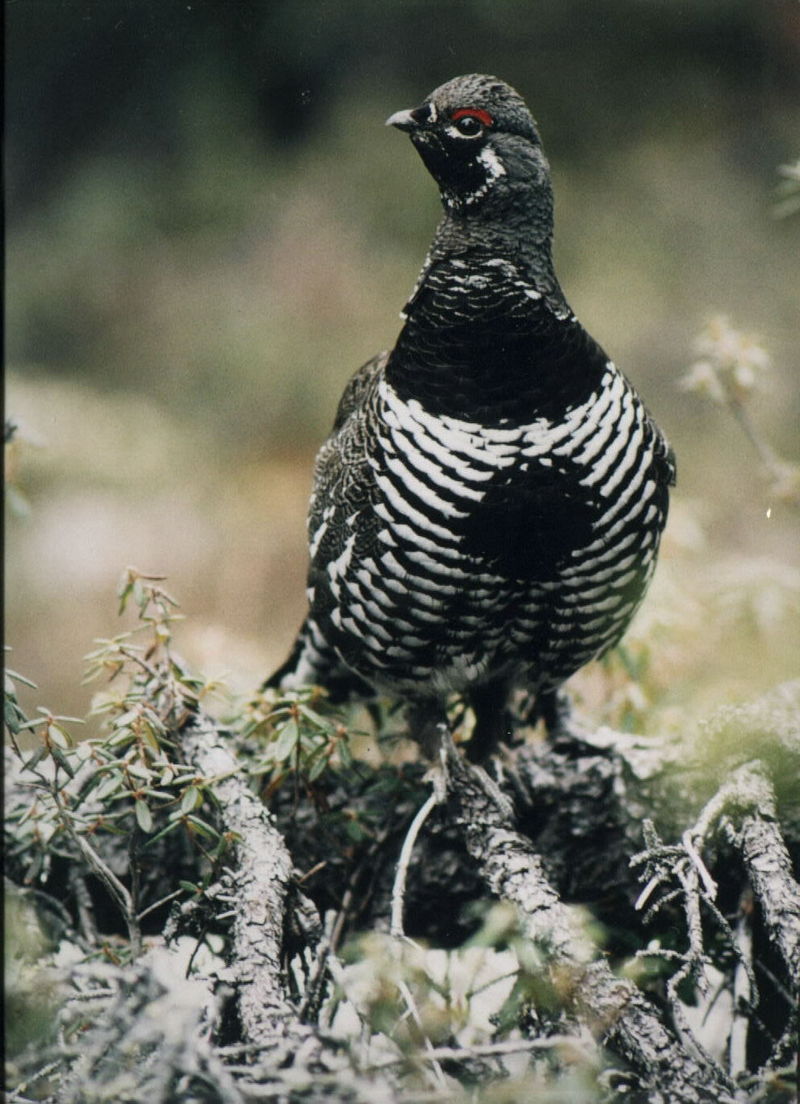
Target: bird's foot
[(437, 774), (503, 804), (566, 736)]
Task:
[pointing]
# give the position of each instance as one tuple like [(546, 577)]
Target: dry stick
[(695, 958), (398, 898), (745, 804), (31, 1079), (742, 996), (399, 887), (83, 902), (735, 792), (439, 1078), (709, 884), (617, 1011), (261, 875), (437, 776), (768, 864), (157, 904), (117, 890), (329, 944)]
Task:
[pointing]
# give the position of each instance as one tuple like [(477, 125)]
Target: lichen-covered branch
[(257, 884), (616, 1010), (749, 793), (149, 1043)]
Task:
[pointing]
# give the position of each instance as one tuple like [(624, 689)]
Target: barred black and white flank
[(487, 510)]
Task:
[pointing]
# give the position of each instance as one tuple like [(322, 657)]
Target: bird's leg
[(427, 721), (493, 720), (554, 707)]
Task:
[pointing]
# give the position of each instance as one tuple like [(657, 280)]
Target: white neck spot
[(494, 169), (494, 166)]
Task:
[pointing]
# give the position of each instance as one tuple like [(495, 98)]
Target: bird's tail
[(312, 661), (285, 671)]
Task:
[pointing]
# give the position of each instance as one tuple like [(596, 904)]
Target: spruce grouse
[(487, 510)]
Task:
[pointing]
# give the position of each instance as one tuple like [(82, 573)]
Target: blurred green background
[(209, 228)]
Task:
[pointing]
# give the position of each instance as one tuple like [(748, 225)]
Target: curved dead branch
[(618, 1013)]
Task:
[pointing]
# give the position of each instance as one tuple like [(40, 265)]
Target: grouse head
[(480, 143)]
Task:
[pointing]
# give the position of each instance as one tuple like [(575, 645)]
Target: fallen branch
[(617, 1012), (768, 865), (257, 884)]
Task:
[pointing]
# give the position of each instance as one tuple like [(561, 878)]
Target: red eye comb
[(475, 113)]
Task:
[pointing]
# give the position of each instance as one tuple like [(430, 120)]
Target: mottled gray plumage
[(487, 510)]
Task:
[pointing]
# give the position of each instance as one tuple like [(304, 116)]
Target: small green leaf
[(36, 758), (316, 719), (121, 736), (191, 800), (127, 718), (355, 831), (202, 828), (164, 832), (31, 725), (17, 677), (317, 768), (144, 818), (287, 741), (139, 770), (150, 738), (124, 591), (14, 716), (140, 595), (58, 736), (62, 760), (152, 792)]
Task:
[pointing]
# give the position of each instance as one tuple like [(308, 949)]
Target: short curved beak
[(403, 120)]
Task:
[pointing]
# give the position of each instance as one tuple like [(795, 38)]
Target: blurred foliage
[(202, 195), (788, 190), (30, 988)]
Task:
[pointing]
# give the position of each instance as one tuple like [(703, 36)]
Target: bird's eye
[(469, 126), (471, 121)]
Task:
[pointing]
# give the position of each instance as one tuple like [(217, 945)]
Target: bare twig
[(118, 891), (408, 997), (399, 887), (38, 1075), (742, 990), (162, 901)]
